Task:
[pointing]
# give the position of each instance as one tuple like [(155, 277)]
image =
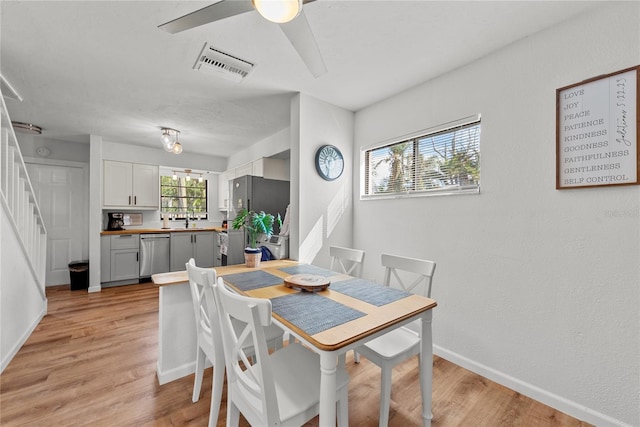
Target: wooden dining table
[(347, 314)]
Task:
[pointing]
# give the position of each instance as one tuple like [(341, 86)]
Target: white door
[(61, 192)]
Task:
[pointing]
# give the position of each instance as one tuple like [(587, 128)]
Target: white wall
[(153, 156), (536, 288), (60, 150), (324, 209), (267, 147), (22, 306)]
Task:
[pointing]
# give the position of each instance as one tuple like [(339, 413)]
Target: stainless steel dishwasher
[(155, 256)]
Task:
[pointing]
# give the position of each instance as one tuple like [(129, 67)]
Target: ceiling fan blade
[(299, 34), (215, 12)]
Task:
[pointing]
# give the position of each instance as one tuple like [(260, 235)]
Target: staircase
[(23, 246)]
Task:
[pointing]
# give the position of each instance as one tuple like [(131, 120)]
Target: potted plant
[(256, 224)]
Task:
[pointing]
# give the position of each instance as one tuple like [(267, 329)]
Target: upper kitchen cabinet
[(223, 189), (131, 185)]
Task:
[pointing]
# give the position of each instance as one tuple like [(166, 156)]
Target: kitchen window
[(444, 160), (182, 196)]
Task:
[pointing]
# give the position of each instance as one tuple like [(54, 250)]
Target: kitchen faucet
[(186, 221)]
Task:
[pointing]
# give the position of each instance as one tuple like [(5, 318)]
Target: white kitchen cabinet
[(242, 170), (119, 258), (199, 245), (131, 185), (223, 189)]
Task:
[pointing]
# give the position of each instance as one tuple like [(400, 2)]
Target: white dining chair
[(402, 343), (346, 260), (209, 338), (278, 389)]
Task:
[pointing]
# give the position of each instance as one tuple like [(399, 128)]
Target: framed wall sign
[(597, 131)]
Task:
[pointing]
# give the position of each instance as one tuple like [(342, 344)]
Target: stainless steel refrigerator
[(255, 194)]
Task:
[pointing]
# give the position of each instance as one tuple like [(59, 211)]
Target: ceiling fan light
[(278, 11)]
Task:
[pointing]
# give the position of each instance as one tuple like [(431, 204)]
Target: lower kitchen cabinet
[(124, 264), (197, 245), (119, 258)]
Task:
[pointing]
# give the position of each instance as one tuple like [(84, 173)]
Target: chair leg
[(275, 344), (201, 358), (216, 395), (233, 414), (356, 356), (385, 396)]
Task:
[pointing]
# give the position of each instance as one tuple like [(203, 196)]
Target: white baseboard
[(175, 373), (557, 402), (8, 357), (178, 372)]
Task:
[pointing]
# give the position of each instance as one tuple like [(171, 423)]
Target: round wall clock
[(329, 162)]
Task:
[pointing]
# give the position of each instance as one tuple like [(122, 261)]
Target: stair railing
[(19, 201)]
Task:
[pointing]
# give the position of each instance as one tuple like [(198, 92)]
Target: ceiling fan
[(297, 30)]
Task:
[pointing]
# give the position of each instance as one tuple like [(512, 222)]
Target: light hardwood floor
[(91, 361)]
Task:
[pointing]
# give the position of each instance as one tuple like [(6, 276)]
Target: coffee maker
[(116, 221)]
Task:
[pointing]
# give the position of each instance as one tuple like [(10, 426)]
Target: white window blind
[(445, 161)]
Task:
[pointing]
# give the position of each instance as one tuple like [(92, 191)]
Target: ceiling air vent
[(222, 64)]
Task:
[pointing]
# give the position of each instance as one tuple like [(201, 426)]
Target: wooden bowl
[(307, 282)]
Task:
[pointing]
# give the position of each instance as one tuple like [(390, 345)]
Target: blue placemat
[(309, 269), (252, 280), (313, 313), (369, 292)]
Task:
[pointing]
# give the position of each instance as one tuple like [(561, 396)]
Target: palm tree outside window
[(444, 161), (181, 198)]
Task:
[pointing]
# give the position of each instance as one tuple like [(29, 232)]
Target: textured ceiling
[(104, 68)]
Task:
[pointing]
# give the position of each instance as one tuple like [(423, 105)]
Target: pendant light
[(169, 139)]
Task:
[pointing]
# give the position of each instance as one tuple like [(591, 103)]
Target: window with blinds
[(442, 161), (181, 196)]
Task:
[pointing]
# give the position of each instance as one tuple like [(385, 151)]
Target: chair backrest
[(251, 385), (349, 260), (422, 272), (206, 317)]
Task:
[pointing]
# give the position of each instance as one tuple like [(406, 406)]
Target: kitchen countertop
[(159, 230)]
